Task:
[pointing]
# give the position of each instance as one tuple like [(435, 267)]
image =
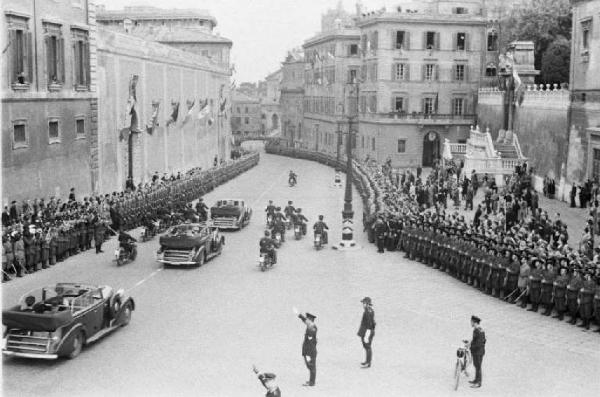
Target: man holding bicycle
[(477, 349)]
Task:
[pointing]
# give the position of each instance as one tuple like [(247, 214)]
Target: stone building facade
[(292, 96), (245, 114), (190, 30), (49, 98), (269, 103), (584, 112), (405, 79), (171, 87)]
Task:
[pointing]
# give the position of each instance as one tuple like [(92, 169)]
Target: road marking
[(142, 281)]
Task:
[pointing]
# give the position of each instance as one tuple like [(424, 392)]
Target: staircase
[(506, 151)]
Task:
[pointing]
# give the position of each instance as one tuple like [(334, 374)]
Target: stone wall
[(165, 75), (541, 124)]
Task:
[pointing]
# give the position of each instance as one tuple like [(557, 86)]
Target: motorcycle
[(278, 239), (288, 224), (122, 256), (318, 241), (147, 234), (292, 182), (270, 221), (298, 231), (265, 261)]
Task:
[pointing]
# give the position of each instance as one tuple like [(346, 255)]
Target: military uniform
[(309, 347)]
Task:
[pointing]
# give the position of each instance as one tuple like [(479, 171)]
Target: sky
[(262, 31)]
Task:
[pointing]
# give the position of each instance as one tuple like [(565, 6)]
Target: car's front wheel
[(77, 346), (201, 259), (126, 315)]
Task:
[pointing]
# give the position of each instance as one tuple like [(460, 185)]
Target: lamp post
[(347, 242)]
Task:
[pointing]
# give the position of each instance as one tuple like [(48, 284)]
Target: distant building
[(292, 97), (49, 99), (584, 140), (269, 103), (186, 29), (245, 114)]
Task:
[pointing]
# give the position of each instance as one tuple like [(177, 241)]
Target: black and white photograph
[(336, 198)]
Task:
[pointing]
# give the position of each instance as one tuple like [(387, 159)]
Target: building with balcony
[(49, 98), (245, 114), (584, 112), (292, 96), (421, 68), (190, 30)]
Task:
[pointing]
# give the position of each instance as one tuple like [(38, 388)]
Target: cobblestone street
[(213, 323)]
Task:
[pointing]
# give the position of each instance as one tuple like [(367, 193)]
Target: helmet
[(267, 233), (320, 217), (289, 201)]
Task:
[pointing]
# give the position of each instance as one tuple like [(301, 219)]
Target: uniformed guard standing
[(366, 332), (380, 228), (309, 346)]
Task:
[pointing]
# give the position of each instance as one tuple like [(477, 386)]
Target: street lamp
[(347, 242)]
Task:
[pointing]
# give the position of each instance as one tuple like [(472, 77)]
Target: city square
[(397, 200)]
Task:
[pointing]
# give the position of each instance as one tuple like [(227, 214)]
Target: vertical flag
[(154, 118), (174, 112)]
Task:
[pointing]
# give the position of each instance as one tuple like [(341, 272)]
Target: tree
[(555, 62), (541, 21)]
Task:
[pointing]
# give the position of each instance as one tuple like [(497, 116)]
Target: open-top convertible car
[(190, 244), (57, 321), (230, 214)]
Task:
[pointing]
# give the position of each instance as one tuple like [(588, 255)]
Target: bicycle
[(463, 360)]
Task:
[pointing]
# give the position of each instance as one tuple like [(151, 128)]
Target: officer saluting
[(309, 346)]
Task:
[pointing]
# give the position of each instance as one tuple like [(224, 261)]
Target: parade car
[(230, 214), (190, 244), (57, 321)]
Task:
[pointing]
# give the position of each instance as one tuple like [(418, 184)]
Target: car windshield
[(75, 296), (228, 203), (185, 230)]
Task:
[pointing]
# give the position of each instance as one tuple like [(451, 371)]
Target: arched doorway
[(275, 121), (431, 148)]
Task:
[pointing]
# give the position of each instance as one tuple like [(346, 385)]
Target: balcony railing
[(420, 116), (458, 148)]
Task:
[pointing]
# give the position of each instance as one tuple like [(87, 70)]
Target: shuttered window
[(54, 50), (20, 51), (81, 59)]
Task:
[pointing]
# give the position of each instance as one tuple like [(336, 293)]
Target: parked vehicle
[(59, 320), (230, 214), (122, 256), (190, 244)]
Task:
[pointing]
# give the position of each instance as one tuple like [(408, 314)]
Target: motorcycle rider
[(321, 227), (289, 210), (126, 241), (202, 210), (301, 220), (267, 246), (292, 178), (279, 225), (148, 223), (189, 214), (270, 210)]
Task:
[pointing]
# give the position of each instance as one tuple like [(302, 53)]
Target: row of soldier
[(39, 234), (515, 264)]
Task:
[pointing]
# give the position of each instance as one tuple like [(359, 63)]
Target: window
[(19, 46), (204, 53), (401, 145), (461, 41), (373, 143), (372, 68), (81, 59), (458, 106), (372, 104), (460, 10), (53, 135), (374, 40), (80, 126), (429, 72), (352, 74), (400, 71), (492, 41), (398, 104), (54, 47), (19, 134), (353, 49), (596, 165), (400, 39), (246, 110), (490, 71), (246, 120), (431, 40), (362, 142), (586, 28), (428, 106), (459, 72)]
